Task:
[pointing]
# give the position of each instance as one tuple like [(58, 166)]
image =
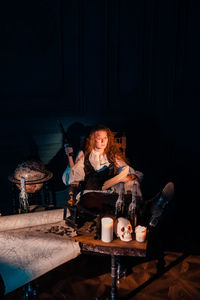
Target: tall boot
[(160, 204)]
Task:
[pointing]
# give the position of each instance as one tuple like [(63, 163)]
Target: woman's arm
[(75, 171), (68, 152), (133, 174)]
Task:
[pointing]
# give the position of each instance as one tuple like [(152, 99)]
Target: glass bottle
[(132, 216), (120, 205)]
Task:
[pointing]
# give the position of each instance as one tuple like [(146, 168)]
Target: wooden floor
[(88, 277)]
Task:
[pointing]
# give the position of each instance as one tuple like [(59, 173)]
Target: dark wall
[(133, 65)]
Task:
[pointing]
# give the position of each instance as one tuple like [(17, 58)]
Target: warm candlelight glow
[(107, 230)]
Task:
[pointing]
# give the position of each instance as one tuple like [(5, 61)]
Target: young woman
[(100, 160)]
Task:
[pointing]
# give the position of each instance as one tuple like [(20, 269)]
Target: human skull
[(123, 229)]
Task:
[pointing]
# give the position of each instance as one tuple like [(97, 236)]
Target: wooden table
[(114, 249)]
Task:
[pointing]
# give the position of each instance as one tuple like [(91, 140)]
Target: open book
[(116, 179)]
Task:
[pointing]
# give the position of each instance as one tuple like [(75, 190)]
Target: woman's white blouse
[(76, 173)]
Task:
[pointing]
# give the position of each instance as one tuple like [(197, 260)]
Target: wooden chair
[(79, 214), (121, 141)]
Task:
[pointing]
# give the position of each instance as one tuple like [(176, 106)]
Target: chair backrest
[(121, 140)]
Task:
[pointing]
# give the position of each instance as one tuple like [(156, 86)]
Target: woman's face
[(100, 140)]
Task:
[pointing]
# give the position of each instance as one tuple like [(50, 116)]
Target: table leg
[(113, 277)]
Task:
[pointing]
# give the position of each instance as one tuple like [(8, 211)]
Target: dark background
[(131, 65)]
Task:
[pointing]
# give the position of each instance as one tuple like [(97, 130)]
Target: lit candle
[(106, 230), (140, 233)]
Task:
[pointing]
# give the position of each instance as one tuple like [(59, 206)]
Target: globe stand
[(32, 187)]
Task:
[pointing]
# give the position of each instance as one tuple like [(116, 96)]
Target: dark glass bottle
[(133, 219), (120, 204), (132, 216), (98, 228)]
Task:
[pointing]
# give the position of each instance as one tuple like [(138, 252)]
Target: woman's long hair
[(112, 150)]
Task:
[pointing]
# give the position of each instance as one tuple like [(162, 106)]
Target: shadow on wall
[(59, 162), (21, 147)]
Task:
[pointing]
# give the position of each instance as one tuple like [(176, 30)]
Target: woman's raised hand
[(68, 151)]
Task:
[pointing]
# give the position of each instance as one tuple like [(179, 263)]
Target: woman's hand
[(69, 153), (68, 150), (129, 177)]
